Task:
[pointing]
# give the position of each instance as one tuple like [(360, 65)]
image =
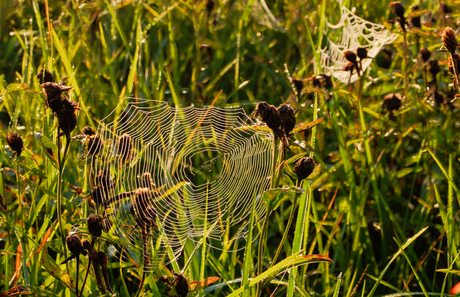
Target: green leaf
[(49, 147), (53, 269), (274, 197)]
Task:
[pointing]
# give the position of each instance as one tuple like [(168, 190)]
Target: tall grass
[(384, 207)]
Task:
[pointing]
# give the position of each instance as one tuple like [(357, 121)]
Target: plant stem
[(266, 220)]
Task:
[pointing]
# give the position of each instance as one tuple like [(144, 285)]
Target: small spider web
[(207, 165), (355, 29)]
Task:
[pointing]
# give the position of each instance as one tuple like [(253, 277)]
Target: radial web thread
[(207, 165), (356, 32)]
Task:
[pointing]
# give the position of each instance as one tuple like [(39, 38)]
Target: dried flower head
[(95, 225), (210, 5), (384, 58), (98, 195), (449, 39), (425, 54), (53, 95), (434, 67), (362, 53), (298, 84), (67, 116), (95, 145), (181, 285), (350, 56), (104, 179), (326, 81), (392, 102), (397, 8), (146, 217), (125, 146), (88, 131), (74, 244), (147, 181), (315, 81), (269, 115), (287, 114), (15, 142), (304, 167), (45, 76), (415, 21)]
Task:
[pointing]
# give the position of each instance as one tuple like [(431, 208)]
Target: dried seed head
[(304, 167), (146, 217), (45, 76), (350, 56), (434, 67), (287, 114), (125, 146), (298, 84), (98, 195), (384, 58), (95, 145), (95, 225), (415, 21), (210, 5), (86, 244), (425, 54), (147, 181), (269, 115), (398, 8), (105, 180), (362, 53), (449, 39), (88, 131), (141, 199), (444, 8), (53, 95), (15, 142), (181, 285), (315, 81), (326, 81), (392, 102), (74, 244), (67, 116)]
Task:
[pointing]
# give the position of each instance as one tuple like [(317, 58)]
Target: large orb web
[(207, 166)]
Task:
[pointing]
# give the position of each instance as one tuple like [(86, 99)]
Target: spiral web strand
[(356, 32), (169, 175)]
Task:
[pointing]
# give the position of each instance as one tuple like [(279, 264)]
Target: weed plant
[(383, 207)]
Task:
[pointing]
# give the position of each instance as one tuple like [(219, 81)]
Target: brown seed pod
[(141, 199), (146, 217), (315, 81), (88, 131), (86, 244), (74, 244), (415, 21), (15, 142), (350, 56), (326, 81), (95, 225), (362, 53), (125, 146), (147, 181), (392, 102), (105, 180), (53, 95), (67, 116), (288, 120), (95, 145), (384, 58), (181, 285), (304, 167), (425, 54), (434, 67), (398, 8), (298, 84), (449, 39), (269, 115), (45, 76), (98, 195)]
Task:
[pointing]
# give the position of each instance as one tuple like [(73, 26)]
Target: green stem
[(266, 220), (59, 195)]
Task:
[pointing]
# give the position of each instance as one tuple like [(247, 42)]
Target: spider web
[(356, 32), (207, 166)]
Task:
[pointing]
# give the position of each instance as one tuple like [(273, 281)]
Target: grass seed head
[(45, 76), (125, 146), (350, 56), (397, 8), (449, 39), (304, 167), (88, 131), (288, 120), (425, 54), (15, 142), (74, 244), (95, 225)]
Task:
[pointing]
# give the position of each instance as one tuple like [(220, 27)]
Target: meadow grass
[(384, 207)]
